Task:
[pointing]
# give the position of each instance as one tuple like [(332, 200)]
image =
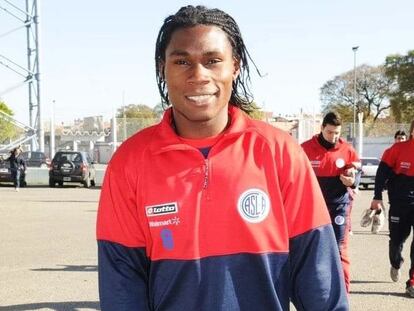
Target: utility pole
[(355, 49), (29, 19)]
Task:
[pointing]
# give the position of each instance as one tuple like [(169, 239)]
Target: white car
[(369, 168)]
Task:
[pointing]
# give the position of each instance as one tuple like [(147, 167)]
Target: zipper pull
[(205, 184)]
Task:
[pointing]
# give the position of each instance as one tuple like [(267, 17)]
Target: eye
[(213, 61), (181, 62)]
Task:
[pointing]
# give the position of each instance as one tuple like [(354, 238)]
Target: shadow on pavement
[(55, 306), (368, 293), (368, 282), (382, 233), (70, 268)]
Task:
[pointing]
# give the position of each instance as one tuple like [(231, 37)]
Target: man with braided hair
[(210, 209)]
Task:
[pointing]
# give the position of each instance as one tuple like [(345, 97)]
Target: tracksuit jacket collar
[(166, 138), (338, 145)]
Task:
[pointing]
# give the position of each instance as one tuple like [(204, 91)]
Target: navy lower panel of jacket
[(310, 275), (333, 190)]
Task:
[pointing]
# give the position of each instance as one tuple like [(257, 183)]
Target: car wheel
[(23, 183), (87, 182), (51, 183)]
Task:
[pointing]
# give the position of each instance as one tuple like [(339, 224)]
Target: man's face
[(400, 138), (331, 133), (199, 70)]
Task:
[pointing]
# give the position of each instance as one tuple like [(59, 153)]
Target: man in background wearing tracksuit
[(396, 171), (335, 163)]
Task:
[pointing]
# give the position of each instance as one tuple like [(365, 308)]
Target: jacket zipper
[(205, 183)]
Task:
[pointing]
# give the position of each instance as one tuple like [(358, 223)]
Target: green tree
[(132, 118), (400, 69), (159, 110), (372, 89), (7, 129)]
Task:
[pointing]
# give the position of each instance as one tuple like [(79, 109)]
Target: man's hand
[(377, 204), (348, 181)]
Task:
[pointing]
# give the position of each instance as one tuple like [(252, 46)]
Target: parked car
[(369, 168), (36, 159), (5, 172), (73, 167)]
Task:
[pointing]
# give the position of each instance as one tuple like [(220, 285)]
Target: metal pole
[(360, 134), (114, 131), (124, 116), (355, 49), (29, 68), (52, 131), (41, 132)]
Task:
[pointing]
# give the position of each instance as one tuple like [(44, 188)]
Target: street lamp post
[(355, 49)]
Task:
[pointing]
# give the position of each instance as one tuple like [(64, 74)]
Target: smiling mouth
[(200, 98)]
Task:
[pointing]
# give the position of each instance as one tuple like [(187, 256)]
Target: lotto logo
[(162, 209)]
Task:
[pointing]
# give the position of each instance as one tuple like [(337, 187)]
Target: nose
[(198, 74)]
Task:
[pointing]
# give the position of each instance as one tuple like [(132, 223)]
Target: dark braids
[(190, 16)]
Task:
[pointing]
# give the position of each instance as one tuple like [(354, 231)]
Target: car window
[(74, 157), (370, 162)]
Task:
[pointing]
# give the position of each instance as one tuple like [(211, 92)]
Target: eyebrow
[(185, 53)]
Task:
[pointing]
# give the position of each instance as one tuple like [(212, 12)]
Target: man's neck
[(199, 129)]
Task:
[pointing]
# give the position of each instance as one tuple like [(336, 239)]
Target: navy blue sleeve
[(384, 173), (123, 277), (317, 279)]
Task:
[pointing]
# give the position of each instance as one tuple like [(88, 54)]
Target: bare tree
[(372, 89)]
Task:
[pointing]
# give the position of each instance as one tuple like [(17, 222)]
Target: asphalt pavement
[(48, 253)]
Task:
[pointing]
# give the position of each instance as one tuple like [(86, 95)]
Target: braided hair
[(190, 16)]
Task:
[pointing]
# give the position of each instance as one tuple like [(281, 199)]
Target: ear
[(236, 65), (161, 67)]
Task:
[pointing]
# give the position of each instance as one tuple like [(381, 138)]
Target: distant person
[(396, 169), (17, 166), (210, 210), (400, 136), (377, 218), (335, 163)]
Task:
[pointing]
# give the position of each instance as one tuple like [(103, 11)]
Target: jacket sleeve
[(123, 277), (122, 260), (316, 274), (317, 280), (384, 173)]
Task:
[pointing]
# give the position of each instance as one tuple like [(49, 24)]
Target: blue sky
[(93, 52)]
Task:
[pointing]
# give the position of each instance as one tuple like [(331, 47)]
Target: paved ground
[(48, 254)]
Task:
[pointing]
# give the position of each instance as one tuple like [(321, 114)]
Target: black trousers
[(400, 222)]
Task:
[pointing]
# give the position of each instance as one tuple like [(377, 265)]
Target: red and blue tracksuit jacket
[(324, 162), (397, 167), (244, 229)]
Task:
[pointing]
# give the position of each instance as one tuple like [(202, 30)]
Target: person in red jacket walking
[(396, 171), (336, 165), (210, 209)]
